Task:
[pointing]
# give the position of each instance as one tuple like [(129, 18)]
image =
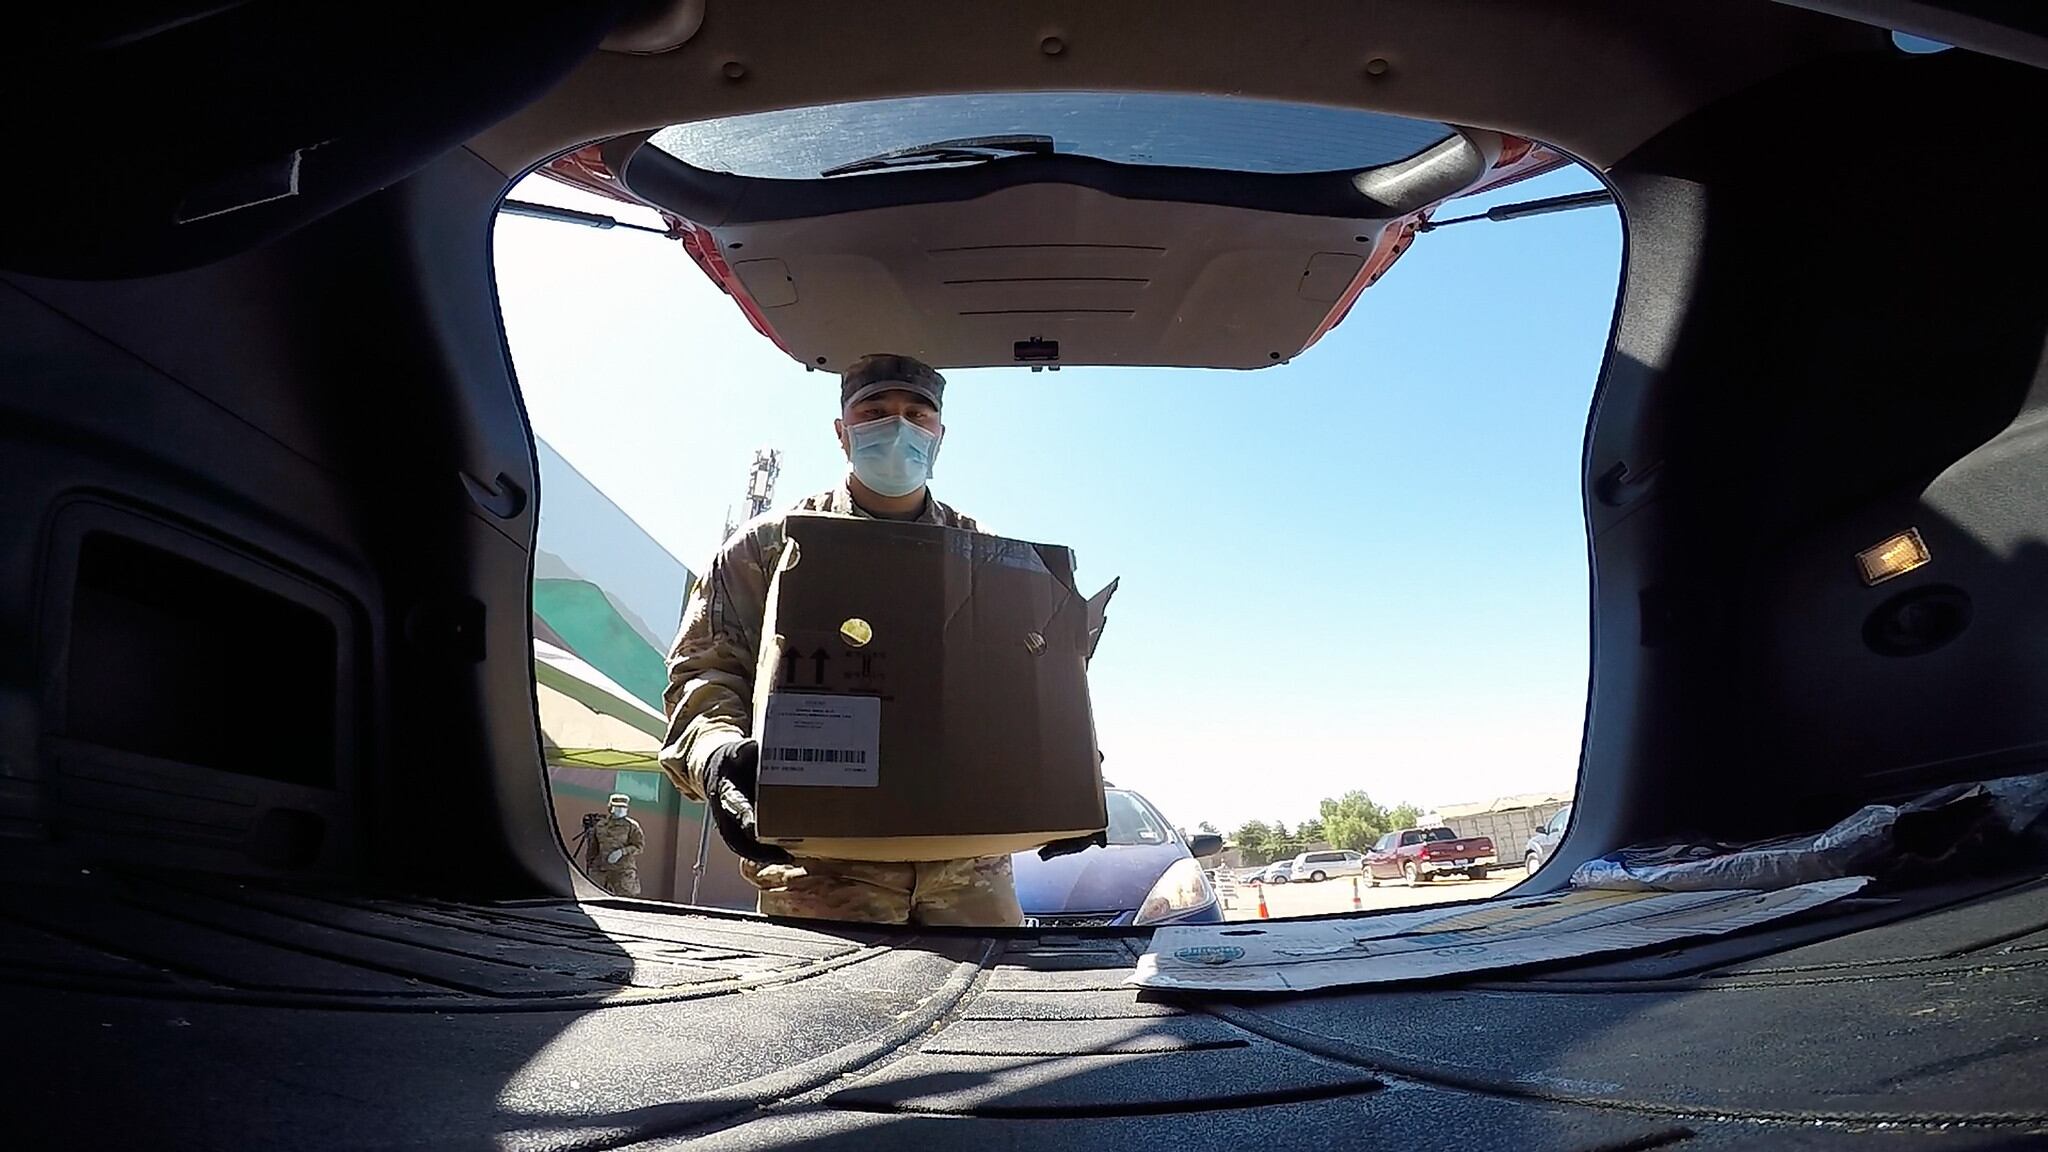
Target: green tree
[(1310, 831), (1255, 842), (1354, 821), (1282, 845), (1404, 815)]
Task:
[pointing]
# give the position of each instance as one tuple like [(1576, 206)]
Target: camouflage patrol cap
[(883, 372), (619, 800)]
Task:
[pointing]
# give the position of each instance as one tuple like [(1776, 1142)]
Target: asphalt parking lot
[(1334, 895)]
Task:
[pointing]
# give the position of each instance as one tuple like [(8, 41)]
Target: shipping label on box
[(809, 739)]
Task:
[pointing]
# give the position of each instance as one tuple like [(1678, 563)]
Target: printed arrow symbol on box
[(821, 656)]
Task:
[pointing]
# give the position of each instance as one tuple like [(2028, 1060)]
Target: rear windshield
[(1437, 835), (1144, 128)]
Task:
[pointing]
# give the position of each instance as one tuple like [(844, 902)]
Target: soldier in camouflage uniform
[(611, 847), (890, 431)]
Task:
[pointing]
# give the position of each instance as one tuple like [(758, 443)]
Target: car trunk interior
[(282, 868)]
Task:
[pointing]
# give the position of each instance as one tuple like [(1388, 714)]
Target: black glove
[(732, 779), (1074, 844)]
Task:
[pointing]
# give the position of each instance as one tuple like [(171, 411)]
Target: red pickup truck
[(1420, 854)]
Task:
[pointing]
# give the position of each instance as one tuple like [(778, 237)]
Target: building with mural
[(607, 599)]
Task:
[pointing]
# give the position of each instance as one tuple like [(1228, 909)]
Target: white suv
[(1323, 865)]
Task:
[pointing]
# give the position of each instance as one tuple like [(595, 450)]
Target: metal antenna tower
[(760, 497), (760, 488)]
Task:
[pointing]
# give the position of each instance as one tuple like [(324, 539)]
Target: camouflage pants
[(618, 881), (977, 893)]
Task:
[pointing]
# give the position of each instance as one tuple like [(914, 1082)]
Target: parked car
[(1420, 854), (1544, 842), (1146, 873), (1278, 872), (1317, 866)]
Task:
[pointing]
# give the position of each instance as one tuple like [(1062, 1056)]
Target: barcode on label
[(815, 755), (821, 740)]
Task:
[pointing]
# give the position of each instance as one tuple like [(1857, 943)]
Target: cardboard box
[(922, 694), (1431, 943)]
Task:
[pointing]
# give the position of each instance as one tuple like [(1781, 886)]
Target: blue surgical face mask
[(892, 456)]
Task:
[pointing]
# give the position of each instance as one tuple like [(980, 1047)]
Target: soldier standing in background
[(612, 841)]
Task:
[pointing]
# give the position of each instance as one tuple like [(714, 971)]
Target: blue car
[(1146, 875)]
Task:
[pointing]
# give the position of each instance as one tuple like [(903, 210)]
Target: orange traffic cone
[(1263, 914), (1356, 905)]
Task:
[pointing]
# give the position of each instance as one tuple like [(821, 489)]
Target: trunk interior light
[(1895, 556)]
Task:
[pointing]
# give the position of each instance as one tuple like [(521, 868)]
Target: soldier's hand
[(732, 780), (612, 857), (1073, 844)]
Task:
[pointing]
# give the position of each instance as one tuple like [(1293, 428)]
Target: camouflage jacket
[(710, 696), (610, 833)]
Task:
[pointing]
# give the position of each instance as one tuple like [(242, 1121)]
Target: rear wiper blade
[(966, 150)]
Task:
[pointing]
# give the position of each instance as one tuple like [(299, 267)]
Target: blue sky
[(1362, 569)]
